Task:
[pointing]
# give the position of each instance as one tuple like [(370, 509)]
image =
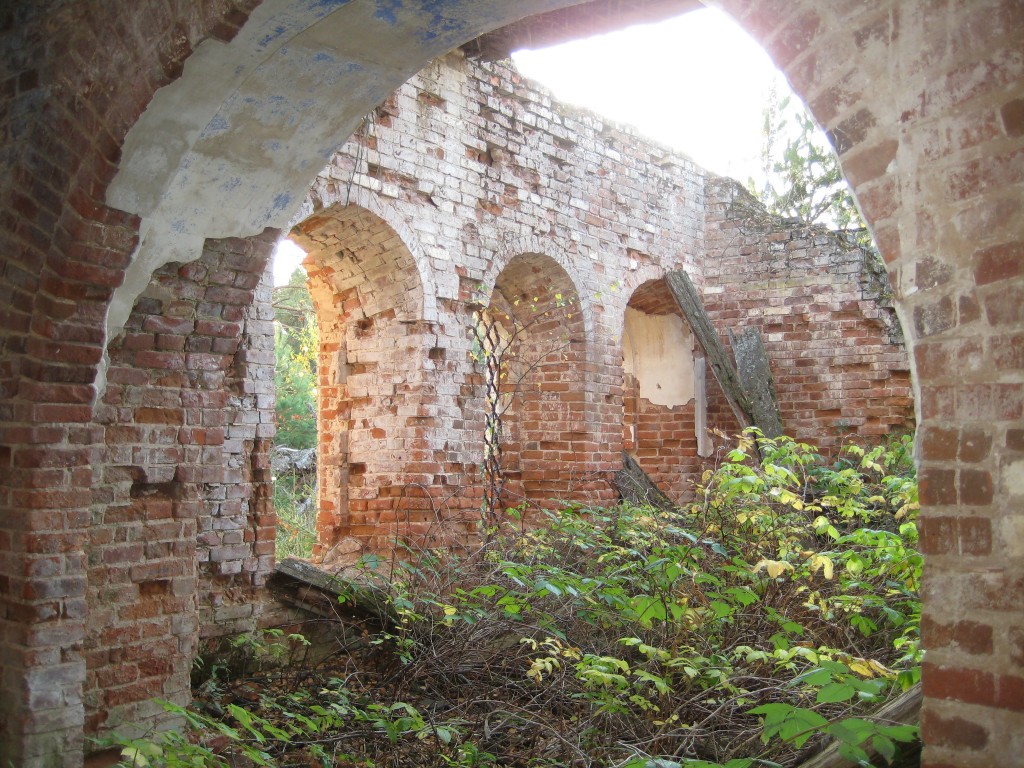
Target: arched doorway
[(532, 345)]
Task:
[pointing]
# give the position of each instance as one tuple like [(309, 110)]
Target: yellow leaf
[(134, 757), (880, 668), (824, 564), (450, 610), (861, 669), (775, 568)]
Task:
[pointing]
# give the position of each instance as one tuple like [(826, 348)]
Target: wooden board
[(755, 376)]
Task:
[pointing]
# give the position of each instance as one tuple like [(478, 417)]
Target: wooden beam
[(905, 709), (755, 375), (689, 302), (635, 486), (306, 586)]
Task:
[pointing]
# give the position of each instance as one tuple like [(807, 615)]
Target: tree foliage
[(803, 178), (296, 345)]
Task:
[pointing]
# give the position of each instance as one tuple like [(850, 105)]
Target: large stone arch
[(925, 104)]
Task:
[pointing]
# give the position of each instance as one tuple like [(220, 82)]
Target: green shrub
[(775, 611)]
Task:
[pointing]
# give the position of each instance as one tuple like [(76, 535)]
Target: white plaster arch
[(230, 148)]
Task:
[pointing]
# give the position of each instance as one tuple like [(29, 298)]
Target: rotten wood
[(635, 486), (755, 375), (905, 709), (686, 296), (323, 593)]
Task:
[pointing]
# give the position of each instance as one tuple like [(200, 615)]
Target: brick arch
[(664, 398), (324, 198), (546, 423), (374, 342), (924, 103), (579, 273)]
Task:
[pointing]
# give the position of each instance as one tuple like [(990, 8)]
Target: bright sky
[(697, 83)]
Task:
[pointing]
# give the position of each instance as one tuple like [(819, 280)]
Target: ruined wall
[(825, 314), (182, 528), (487, 194), (925, 104), (555, 221)]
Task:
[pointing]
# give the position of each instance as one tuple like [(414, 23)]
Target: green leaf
[(852, 730), (884, 747), (835, 692), (900, 732)]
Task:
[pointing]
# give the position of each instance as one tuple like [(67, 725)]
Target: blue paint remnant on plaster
[(217, 125), (282, 201), (440, 22), (231, 184), (178, 225), (443, 16), (278, 31), (323, 7), (386, 10), (323, 56)]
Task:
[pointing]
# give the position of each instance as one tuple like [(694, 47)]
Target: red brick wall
[(75, 77), (549, 438), (826, 317), (181, 505), (663, 439), (386, 390)]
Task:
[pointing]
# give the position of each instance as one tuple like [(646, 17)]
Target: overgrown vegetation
[(768, 615), (296, 346), (295, 506)]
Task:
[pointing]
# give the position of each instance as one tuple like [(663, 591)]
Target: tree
[(296, 345), (803, 179)]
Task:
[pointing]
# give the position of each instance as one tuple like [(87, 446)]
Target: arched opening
[(532, 346), (373, 458), (664, 397)]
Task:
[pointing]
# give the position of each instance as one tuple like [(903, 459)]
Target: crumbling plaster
[(230, 148)]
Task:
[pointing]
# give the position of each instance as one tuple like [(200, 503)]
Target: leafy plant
[(296, 346), (803, 179), (775, 612)]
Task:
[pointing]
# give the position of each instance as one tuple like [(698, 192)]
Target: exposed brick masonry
[(923, 102)]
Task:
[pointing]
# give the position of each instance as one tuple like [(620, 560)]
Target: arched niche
[(534, 325), (664, 413)]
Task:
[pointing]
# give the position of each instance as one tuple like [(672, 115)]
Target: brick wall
[(62, 122), (537, 204), (923, 102), (181, 520), (511, 202), (825, 312)]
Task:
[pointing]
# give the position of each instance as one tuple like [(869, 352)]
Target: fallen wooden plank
[(323, 592), (905, 709), (755, 377), (686, 296), (635, 486)]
